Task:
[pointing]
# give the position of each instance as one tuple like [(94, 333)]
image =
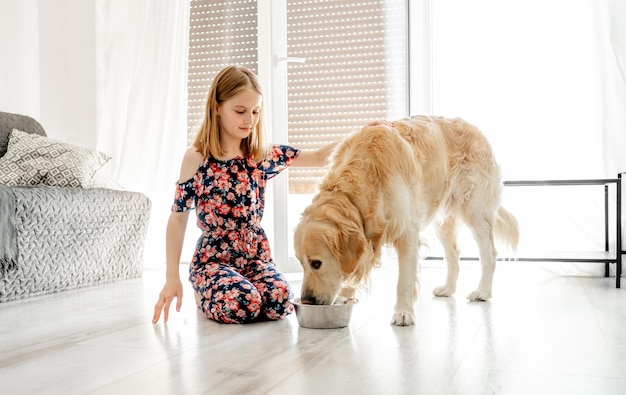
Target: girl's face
[(239, 116)]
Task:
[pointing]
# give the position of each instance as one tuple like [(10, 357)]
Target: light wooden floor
[(543, 333)]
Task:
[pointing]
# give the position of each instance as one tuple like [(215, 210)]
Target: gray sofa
[(57, 238)]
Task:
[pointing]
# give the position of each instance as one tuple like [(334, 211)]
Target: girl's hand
[(173, 288)]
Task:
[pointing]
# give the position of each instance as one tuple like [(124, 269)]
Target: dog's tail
[(506, 228)]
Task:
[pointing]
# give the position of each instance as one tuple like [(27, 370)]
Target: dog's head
[(330, 244)]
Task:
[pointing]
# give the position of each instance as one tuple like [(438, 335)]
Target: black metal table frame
[(618, 219)]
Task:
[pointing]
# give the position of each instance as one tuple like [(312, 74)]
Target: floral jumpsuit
[(232, 268)]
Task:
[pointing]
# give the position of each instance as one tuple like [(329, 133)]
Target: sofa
[(60, 227)]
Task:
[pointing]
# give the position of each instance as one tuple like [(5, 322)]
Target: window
[(354, 71)]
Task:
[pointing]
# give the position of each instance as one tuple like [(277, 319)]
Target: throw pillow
[(32, 159)]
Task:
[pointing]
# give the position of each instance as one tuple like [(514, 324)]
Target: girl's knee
[(229, 309), (279, 310), (277, 304), (276, 295)]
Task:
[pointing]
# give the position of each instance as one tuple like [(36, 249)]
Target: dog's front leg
[(408, 283)]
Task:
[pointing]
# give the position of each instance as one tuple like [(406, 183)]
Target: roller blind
[(355, 71), (222, 33)]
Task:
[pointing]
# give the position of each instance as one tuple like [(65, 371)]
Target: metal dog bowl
[(336, 315)]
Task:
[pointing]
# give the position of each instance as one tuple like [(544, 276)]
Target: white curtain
[(141, 99), (528, 74), (611, 17)]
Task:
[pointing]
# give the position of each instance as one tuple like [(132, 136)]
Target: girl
[(223, 177)]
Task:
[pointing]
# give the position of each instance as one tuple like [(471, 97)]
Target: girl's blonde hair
[(226, 84)]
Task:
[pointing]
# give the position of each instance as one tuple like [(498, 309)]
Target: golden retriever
[(385, 184)]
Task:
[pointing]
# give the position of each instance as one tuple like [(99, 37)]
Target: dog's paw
[(444, 291), (479, 296), (403, 318)]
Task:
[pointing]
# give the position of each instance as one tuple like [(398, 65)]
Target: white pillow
[(32, 159)]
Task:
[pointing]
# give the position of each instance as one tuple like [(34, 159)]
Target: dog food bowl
[(336, 315)]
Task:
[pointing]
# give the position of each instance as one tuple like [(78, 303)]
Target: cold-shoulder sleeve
[(185, 196), (278, 159)]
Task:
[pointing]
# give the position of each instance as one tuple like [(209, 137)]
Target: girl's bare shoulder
[(191, 162)]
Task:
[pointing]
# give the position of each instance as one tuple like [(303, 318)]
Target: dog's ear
[(348, 244)]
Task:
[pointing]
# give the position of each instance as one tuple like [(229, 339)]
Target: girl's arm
[(173, 288), (317, 158), (174, 237), (320, 157)]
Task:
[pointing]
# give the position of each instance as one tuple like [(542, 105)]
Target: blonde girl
[(223, 178)]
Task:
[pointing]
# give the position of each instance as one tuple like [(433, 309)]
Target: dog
[(384, 185)]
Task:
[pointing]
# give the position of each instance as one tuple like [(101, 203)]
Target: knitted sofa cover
[(58, 238)]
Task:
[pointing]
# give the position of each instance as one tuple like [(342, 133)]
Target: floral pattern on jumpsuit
[(232, 268)]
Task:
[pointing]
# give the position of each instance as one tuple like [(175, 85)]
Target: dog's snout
[(309, 300)]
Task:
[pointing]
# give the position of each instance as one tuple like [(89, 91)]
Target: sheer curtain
[(610, 17), (142, 101), (528, 74)]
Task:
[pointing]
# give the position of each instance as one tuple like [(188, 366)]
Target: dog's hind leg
[(408, 283), (482, 230), (447, 233)]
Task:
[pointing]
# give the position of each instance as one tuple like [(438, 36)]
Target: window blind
[(355, 69), (355, 72), (221, 33)]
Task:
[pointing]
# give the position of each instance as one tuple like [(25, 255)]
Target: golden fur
[(385, 184)]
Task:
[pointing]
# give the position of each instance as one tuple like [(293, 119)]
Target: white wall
[(48, 65), (19, 59)]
